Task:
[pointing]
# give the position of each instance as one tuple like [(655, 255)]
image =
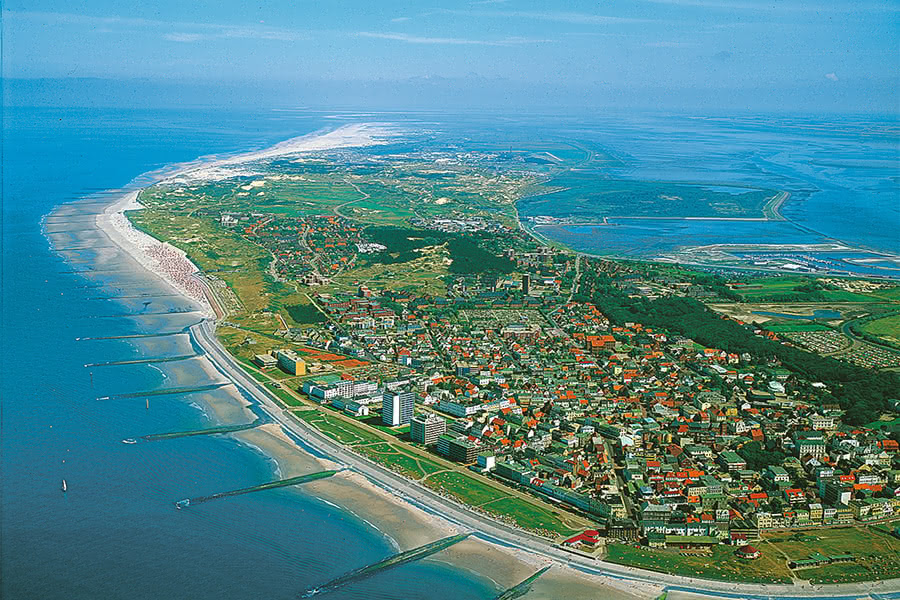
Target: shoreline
[(357, 489), (159, 258), (682, 255)]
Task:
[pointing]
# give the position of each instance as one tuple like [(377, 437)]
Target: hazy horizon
[(831, 57)]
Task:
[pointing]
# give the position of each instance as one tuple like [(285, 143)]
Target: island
[(720, 422)]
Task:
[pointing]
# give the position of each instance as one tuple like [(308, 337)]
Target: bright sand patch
[(348, 136), (567, 583), (163, 260), (272, 441), (408, 526)]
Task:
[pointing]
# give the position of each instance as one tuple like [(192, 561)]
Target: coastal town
[(619, 409), (472, 300), (656, 439)]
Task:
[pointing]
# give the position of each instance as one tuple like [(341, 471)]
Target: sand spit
[(348, 136)]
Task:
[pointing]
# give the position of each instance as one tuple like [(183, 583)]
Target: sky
[(830, 55)]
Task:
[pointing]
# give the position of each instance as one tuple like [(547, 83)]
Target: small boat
[(129, 441), (182, 503), (64, 487)]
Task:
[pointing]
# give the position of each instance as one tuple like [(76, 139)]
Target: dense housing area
[(649, 414)]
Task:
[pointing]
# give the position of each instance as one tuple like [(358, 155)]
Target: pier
[(129, 336), (147, 295), (84, 248), (256, 488), (155, 437), (167, 391), (91, 271), (522, 588), (388, 563), (82, 230), (142, 361), (143, 314)]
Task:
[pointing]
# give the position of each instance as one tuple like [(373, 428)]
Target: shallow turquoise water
[(115, 533)]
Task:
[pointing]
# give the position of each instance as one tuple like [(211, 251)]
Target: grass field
[(282, 395), (721, 564), (529, 516), (768, 286), (374, 420), (763, 288), (882, 424), (475, 493), (891, 294), (337, 429), (397, 459), (464, 488), (888, 328), (876, 551)]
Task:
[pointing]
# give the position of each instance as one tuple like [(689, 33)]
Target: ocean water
[(115, 533), (647, 239), (841, 171)]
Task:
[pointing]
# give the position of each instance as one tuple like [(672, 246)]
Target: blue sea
[(115, 533), (841, 171)]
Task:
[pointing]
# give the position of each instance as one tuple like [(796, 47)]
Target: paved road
[(497, 532)]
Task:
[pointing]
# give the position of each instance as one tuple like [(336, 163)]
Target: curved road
[(496, 532)]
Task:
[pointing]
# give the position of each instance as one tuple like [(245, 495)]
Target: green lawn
[(464, 488), (335, 428), (881, 424), (722, 564), (845, 296), (430, 466), (892, 294), (386, 455), (374, 420), (251, 370), (879, 567), (844, 540), (530, 516), (766, 287), (282, 395), (877, 553), (427, 465), (398, 459), (888, 328), (525, 514)]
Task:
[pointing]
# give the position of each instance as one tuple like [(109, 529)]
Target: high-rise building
[(291, 362), (457, 448), (427, 429), (526, 284), (397, 408)]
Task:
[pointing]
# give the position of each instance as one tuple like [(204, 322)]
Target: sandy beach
[(405, 525), (348, 136), (163, 260)]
